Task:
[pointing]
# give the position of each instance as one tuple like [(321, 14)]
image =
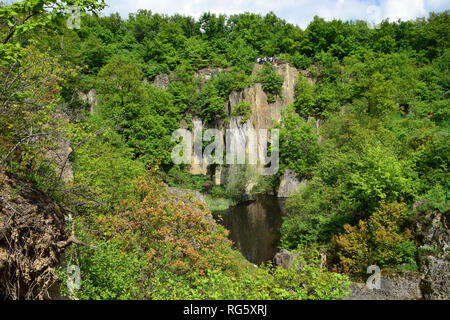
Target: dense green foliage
[(382, 240), (376, 153)]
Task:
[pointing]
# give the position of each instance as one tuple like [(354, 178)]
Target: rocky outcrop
[(432, 282), (433, 237), (285, 259), (393, 286), (91, 98), (162, 81), (264, 114), (289, 184), (207, 73), (31, 226)]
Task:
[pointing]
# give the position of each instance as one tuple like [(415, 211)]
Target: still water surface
[(255, 227)]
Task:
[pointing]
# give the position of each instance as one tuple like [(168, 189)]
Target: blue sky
[(299, 12)]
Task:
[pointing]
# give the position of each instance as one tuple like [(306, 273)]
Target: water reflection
[(255, 227)]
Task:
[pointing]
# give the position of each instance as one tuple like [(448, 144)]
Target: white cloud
[(404, 9), (300, 12)]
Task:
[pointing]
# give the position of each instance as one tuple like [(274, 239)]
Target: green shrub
[(243, 109), (382, 240), (301, 61), (270, 80), (180, 177), (111, 273)]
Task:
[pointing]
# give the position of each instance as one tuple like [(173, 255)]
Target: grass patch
[(218, 204)]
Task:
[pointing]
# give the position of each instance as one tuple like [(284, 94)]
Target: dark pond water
[(255, 227)]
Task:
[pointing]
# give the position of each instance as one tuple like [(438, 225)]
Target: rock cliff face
[(393, 286), (433, 237), (31, 225), (263, 115)]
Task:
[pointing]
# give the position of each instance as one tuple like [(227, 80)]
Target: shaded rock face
[(403, 286), (31, 225), (433, 237), (91, 98), (289, 184)]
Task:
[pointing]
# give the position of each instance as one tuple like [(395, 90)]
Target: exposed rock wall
[(162, 81), (433, 237), (31, 225), (263, 115)]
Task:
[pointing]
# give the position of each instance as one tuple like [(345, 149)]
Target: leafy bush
[(310, 282), (299, 146), (110, 273), (243, 109), (301, 61), (313, 217), (181, 178), (270, 80), (382, 240)]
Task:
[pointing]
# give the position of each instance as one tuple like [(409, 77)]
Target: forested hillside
[(86, 116)]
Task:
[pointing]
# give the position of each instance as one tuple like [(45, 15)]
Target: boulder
[(289, 184), (286, 259)]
